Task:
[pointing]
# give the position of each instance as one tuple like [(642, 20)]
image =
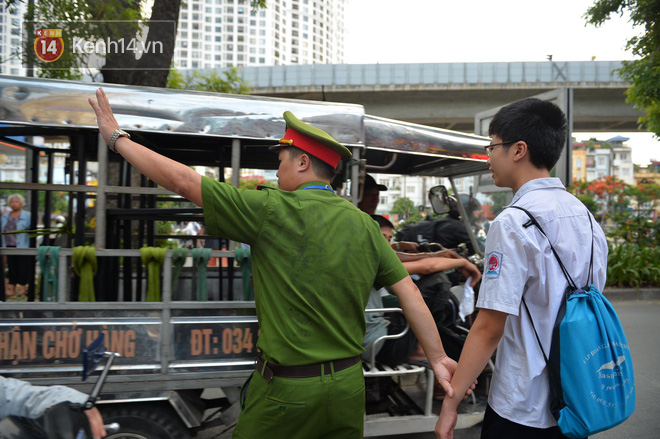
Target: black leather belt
[(270, 369)]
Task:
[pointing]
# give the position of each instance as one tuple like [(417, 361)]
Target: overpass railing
[(375, 75)]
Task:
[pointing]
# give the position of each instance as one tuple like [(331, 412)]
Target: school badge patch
[(494, 265)]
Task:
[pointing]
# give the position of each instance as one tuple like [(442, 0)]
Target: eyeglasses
[(489, 148)]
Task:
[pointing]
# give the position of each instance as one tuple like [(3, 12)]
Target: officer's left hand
[(444, 371)]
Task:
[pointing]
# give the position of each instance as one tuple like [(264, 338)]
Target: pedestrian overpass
[(449, 95)]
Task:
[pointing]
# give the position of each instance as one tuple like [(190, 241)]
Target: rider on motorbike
[(50, 408)]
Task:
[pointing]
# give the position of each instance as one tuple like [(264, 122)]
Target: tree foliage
[(94, 20), (644, 73), (229, 81), (79, 21), (405, 208)]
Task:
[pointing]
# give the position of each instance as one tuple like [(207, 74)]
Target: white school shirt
[(519, 261)]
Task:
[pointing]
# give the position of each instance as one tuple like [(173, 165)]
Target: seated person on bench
[(399, 350)]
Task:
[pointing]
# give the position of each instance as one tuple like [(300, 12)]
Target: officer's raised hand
[(104, 117)]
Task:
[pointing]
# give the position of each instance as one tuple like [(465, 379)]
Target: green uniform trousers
[(328, 407)]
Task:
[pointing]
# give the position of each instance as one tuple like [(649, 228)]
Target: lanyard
[(326, 187)]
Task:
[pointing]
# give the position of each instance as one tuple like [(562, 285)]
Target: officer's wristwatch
[(116, 134)]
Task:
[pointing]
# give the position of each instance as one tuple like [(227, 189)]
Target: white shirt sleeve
[(506, 269), (20, 398)]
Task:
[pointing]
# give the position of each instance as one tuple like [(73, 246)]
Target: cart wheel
[(144, 422)]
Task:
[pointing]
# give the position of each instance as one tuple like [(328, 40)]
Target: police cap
[(313, 141)]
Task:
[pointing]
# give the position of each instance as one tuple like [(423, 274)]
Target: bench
[(384, 425)]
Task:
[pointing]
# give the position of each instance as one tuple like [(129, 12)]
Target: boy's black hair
[(382, 221), (321, 168), (540, 124)]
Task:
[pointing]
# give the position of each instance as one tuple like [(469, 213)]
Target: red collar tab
[(312, 146)]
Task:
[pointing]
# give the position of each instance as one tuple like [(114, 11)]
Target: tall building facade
[(11, 21), (228, 33), (592, 160)]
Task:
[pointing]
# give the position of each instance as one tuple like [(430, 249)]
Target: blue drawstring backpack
[(592, 383)]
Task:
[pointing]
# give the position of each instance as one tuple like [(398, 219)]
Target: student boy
[(527, 140)]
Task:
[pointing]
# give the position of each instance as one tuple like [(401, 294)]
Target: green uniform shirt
[(315, 257)]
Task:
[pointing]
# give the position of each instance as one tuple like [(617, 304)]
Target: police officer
[(315, 258)]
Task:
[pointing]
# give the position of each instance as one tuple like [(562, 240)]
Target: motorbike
[(66, 420)]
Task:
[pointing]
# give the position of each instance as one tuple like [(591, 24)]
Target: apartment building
[(11, 20), (228, 33)]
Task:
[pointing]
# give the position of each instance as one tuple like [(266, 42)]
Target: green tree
[(644, 73), (78, 20), (405, 208), (93, 20), (229, 81)]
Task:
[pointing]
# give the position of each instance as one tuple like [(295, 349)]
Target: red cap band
[(314, 147)]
